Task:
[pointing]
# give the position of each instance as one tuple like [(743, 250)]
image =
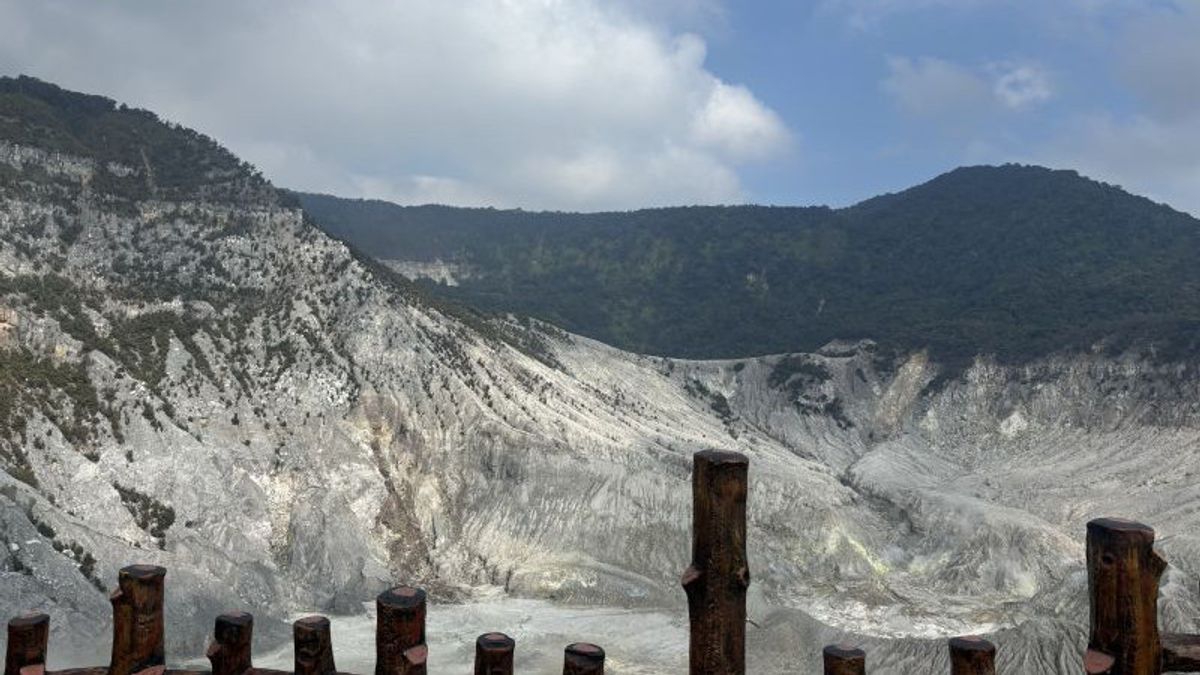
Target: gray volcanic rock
[(210, 384)]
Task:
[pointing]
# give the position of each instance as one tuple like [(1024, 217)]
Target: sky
[(619, 104)]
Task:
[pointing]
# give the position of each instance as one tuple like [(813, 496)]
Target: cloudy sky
[(602, 104)]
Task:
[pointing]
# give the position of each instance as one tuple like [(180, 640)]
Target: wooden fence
[(1123, 576)]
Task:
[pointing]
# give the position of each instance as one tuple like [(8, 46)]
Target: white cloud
[(735, 123), (1147, 156), (1156, 150), (931, 87), (934, 87), (868, 14), (1075, 15), (1160, 61), (576, 104), (1020, 87)]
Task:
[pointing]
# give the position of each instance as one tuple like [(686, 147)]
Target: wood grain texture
[(27, 640), (494, 654), (1123, 575), (229, 653), (400, 632), (313, 645), (138, 620), (719, 575), (583, 658)]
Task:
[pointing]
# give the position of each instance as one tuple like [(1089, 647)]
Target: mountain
[(1014, 261), (193, 375)]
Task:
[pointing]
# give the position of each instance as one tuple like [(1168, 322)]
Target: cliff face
[(198, 378), (229, 393)]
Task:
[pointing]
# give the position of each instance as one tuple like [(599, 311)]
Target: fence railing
[(1123, 576)]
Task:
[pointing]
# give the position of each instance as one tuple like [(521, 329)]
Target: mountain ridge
[(1015, 261), (201, 379)]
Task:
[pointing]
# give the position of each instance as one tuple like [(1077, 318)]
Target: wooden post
[(1123, 573), (972, 655), (844, 660), (583, 658), (137, 620), (718, 577), (28, 635), (400, 632), (313, 646), (494, 654), (229, 652), (1181, 653)]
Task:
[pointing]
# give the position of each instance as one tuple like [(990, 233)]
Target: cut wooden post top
[(971, 643), (495, 641), (27, 619), (583, 658), (843, 659), (844, 651), (314, 622), (713, 456), (586, 649), (402, 597), (236, 618), (143, 572)]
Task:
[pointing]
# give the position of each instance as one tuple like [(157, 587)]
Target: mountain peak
[(147, 156), (1014, 260)]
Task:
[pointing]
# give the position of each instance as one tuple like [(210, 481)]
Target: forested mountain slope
[(193, 375), (1014, 261)]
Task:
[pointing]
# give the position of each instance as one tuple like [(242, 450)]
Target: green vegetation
[(1012, 261), (150, 514), (166, 160), (61, 391)]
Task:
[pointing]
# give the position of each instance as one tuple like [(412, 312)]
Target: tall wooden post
[(718, 577), (229, 652), (137, 620), (583, 658), (494, 654), (1123, 572), (28, 635), (844, 660), (313, 646), (400, 632), (972, 655)]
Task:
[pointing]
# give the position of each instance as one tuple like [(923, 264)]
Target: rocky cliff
[(192, 375)]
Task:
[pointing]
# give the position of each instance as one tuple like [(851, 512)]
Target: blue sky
[(882, 95), (616, 104)]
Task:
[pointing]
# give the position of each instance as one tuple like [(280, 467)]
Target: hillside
[(1014, 261), (193, 375)]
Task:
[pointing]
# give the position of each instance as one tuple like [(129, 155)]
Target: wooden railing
[(1123, 576)]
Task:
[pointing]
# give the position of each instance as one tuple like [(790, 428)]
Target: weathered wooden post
[(972, 655), (27, 638), (229, 652), (400, 632), (844, 660), (313, 646), (718, 577), (1123, 573), (494, 654), (583, 658), (137, 620)]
